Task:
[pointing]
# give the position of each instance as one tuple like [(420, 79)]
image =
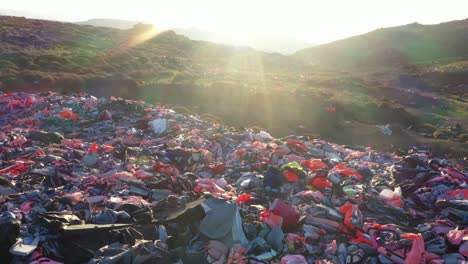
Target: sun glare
[(144, 36), (240, 39)]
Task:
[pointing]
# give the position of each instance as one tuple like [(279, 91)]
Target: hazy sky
[(315, 21)]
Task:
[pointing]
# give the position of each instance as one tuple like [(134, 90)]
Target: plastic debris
[(159, 125), (96, 180)]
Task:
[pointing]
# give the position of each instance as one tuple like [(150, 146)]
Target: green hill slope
[(402, 45)]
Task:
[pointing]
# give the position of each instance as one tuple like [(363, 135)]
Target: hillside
[(402, 45), (240, 86), (46, 54)]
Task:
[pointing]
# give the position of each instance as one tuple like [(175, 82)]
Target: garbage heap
[(88, 180)]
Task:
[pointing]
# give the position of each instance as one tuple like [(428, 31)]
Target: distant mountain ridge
[(108, 22), (261, 42)]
